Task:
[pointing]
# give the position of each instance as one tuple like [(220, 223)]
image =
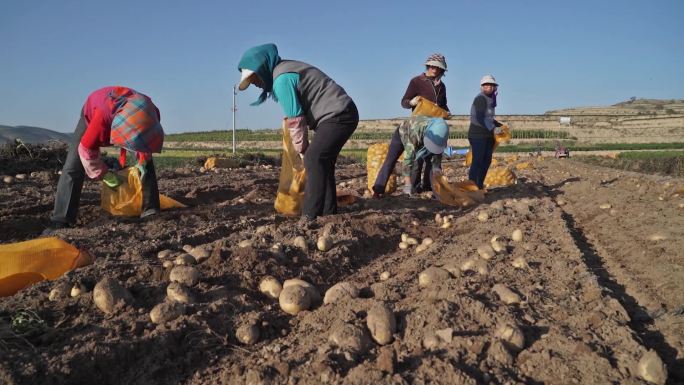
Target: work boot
[(53, 227), (149, 213)]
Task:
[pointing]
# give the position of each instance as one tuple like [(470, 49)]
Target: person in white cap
[(310, 100), (430, 86), (482, 129)]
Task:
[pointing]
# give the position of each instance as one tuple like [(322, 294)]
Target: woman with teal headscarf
[(310, 101)]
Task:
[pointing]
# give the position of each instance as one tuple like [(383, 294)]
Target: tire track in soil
[(639, 319)]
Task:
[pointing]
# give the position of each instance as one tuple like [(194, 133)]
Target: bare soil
[(604, 285)]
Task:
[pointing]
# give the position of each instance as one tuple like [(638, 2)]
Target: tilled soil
[(603, 286)]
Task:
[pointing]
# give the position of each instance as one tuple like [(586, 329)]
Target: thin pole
[(234, 110)]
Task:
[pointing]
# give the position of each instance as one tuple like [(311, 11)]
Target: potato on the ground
[(431, 276), (270, 286), (166, 311), (349, 337), (185, 275), (512, 336), (109, 294), (179, 293), (506, 295), (311, 290), (339, 291), (294, 299), (248, 333), (381, 323)]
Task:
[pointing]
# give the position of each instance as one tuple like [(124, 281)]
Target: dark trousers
[(422, 166), (320, 194), (396, 148), (482, 149), (70, 182)]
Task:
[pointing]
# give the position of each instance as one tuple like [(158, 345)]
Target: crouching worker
[(111, 116), (419, 137), (310, 101)]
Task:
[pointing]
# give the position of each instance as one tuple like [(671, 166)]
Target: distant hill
[(634, 106), (28, 134)]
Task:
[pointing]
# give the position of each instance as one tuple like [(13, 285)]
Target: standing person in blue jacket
[(482, 129), (310, 100)]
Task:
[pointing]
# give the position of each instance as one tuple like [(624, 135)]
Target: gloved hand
[(414, 101), (111, 180), (498, 130), (407, 190)]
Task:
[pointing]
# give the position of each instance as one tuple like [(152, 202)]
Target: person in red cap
[(111, 116), (430, 86)]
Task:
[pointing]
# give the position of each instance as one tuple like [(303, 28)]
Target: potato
[(486, 252), (652, 369), (179, 293), (200, 254), (294, 299), (300, 242), (78, 289), (311, 290), (187, 248), (421, 248), (8, 179), (166, 311), (404, 237), (350, 338), (245, 243), (482, 216), (60, 291), (411, 241), (432, 275), (506, 295), (438, 218), (517, 235), (324, 243), (185, 260), (519, 263), (185, 275), (403, 245), (427, 241), (381, 323), (164, 254), (109, 294), (271, 287), (513, 338), (20, 177), (385, 275), (605, 206), (248, 334), (499, 245), (431, 340), (474, 264), (446, 224), (339, 291)]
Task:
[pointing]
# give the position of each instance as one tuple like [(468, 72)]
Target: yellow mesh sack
[(500, 176), (292, 181), (25, 263), (523, 166), (215, 162), (461, 194), (374, 159), (126, 200), (428, 108)]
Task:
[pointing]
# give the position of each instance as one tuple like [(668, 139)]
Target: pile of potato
[(500, 176)]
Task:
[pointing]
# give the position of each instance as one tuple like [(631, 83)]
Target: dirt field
[(603, 286)]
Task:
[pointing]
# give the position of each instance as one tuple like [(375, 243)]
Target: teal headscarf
[(261, 59)]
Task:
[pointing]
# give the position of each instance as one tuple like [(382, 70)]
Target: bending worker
[(430, 86), (482, 129), (111, 116), (310, 100), (419, 137)]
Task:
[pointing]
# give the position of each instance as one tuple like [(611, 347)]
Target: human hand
[(414, 101), (112, 180)]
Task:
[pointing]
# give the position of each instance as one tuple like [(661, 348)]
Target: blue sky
[(546, 54)]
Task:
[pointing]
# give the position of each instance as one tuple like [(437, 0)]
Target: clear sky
[(545, 54)]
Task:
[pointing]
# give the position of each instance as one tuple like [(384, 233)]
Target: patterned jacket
[(411, 133)]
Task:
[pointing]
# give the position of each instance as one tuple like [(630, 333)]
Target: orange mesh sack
[(461, 194), (503, 137), (374, 159), (428, 108), (290, 194), (126, 200), (214, 162), (25, 263), (500, 176)]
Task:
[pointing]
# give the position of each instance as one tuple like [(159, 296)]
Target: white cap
[(244, 79), (488, 79)]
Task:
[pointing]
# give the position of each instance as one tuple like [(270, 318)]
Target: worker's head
[(256, 67), (436, 135), (435, 65), (488, 85)]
